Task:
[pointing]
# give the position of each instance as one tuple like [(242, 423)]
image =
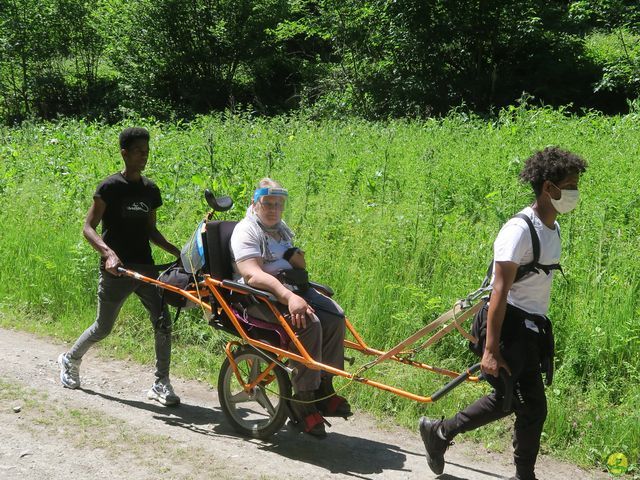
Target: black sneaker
[(434, 445)]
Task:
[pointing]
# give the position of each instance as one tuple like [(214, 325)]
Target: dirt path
[(109, 429)]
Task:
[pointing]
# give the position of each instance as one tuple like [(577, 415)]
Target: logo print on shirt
[(138, 207)]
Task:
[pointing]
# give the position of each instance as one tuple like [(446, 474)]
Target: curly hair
[(552, 164), (131, 135)]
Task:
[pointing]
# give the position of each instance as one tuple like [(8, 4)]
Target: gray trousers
[(323, 338), (112, 293)]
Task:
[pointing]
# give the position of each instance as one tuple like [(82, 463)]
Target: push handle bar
[(129, 273), (227, 283)]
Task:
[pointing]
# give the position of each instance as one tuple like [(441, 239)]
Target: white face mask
[(567, 201)]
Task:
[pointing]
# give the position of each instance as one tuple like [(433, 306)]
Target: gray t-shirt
[(246, 243)]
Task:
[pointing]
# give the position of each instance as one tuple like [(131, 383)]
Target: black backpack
[(177, 276)]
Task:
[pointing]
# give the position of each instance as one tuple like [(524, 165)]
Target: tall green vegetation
[(399, 217), (375, 58)]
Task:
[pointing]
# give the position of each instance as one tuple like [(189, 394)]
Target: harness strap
[(535, 245), (532, 267), (535, 241)]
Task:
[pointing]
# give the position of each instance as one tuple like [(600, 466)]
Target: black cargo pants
[(521, 349)]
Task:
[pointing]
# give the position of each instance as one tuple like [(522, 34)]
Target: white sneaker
[(162, 391), (69, 371)]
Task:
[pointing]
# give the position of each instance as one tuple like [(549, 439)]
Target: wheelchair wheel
[(263, 411)]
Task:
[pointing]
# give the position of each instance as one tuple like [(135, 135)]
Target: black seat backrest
[(217, 252)]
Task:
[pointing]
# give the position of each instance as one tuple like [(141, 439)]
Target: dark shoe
[(527, 477), (434, 445), (306, 415), (329, 403)]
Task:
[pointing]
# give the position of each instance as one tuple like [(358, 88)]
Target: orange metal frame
[(213, 287)]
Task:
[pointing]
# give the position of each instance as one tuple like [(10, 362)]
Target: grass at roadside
[(398, 217)]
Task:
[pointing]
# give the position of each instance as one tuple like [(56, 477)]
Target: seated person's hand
[(299, 309), (295, 257)]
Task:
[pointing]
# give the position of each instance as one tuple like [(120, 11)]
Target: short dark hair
[(552, 164), (130, 135)]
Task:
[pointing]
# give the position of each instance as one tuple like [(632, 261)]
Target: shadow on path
[(446, 476), (191, 417), (338, 453)]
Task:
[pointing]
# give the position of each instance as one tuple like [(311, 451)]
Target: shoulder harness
[(532, 267)]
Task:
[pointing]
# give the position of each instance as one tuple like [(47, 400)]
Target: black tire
[(262, 412)]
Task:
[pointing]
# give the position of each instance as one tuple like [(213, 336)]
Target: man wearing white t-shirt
[(517, 329)]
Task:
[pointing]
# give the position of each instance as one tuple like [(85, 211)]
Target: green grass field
[(398, 217)]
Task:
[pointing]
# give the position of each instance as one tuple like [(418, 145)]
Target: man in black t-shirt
[(126, 204)]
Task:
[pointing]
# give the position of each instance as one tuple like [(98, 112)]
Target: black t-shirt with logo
[(125, 221)]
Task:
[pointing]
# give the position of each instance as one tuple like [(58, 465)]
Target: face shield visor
[(277, 197)]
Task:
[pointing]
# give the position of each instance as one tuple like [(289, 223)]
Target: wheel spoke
[(255, 370), (240, 397), (264, 401)]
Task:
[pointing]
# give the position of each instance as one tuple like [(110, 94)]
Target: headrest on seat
[(218, 254)]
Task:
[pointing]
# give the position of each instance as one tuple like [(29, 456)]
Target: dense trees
[(375, 58), (50, 54)]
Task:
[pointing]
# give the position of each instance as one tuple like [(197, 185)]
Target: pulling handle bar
[(508, 390), (507, 381), (455, 382)]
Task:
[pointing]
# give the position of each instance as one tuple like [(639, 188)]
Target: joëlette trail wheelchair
[(254, 386)]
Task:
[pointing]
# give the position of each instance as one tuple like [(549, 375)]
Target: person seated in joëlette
[(258, 247)]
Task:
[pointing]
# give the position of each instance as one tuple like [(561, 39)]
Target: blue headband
[(263, 192)]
